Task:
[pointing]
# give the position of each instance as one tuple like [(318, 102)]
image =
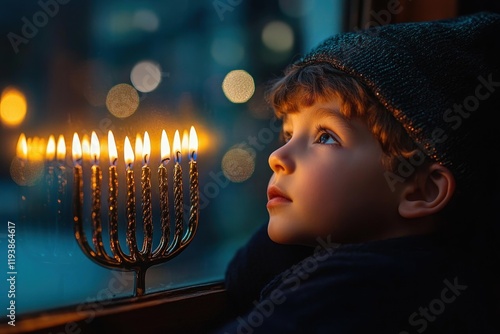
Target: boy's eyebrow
[(341, 121), (337, 115)]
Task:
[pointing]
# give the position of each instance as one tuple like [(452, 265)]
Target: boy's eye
[(326, 138)]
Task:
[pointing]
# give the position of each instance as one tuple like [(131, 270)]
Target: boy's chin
[(286, 235), (279, 233)]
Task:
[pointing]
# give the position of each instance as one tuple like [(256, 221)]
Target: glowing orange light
[(146, 149), (193, 144), (165, 148), (86, 147), (61, 148), (95, 148), (76, 150), (36, 148), (13, 107), (177, 147), (22, 147), (185, 142), (138, 146), (129, 153), (112, 151), (51, 148)]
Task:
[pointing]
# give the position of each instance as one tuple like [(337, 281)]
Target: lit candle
[(129, 163), (85, 148), (78, 185), (86, 164), (138, 147), (22, 156), (185, 142), (163, 188), (178, 193), (147, 217), (95, 185), (50, 206), (22, 148), (50, 156), (113, 198), (193, 180), (61, 176)]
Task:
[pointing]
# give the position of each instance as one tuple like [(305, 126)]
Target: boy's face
[(328, 181)]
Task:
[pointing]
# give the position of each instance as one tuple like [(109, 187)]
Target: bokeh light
[(122, 100), (238, 164), (146, 20), (13, 107), (27, 167), (146, 76), (227, 51), (36, 148), (238, 86), (278, 36)]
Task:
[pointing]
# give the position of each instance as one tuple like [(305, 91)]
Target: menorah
[(135, 259)]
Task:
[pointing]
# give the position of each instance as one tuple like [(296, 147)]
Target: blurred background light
[(13, 107), (278, 36), (238, 164), (145, 76), (146, 19), (122, 100), (238, 86)]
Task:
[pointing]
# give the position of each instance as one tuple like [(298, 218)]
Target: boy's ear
[(428, 192)]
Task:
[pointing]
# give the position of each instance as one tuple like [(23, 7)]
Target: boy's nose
[(280, 160)]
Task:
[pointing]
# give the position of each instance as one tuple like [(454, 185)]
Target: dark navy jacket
[(402, 285)]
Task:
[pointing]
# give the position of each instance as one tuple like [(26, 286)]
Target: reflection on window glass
[(132, 67)]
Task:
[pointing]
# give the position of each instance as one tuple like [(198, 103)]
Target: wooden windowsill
[(194, 309)]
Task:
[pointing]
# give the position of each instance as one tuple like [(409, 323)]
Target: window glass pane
[(131, 67)]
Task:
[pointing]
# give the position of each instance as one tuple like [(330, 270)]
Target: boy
[(381, 196)]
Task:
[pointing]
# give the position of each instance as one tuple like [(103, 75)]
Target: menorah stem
[(140, 281)]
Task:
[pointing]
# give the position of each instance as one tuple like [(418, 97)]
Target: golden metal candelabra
[(134, 259)]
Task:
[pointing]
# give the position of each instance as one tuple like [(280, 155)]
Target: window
[(171, 64)]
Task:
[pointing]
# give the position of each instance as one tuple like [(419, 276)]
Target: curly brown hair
[(303, 85)]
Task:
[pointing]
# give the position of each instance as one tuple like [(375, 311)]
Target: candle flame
[(22, 147), (61, 148), (129, 153), (85, 147), (185, 142), (138, 146), (36, 148), (193, 144), (177, 147), (112, 152), (51, 148), (95, 148), (77, 150), (146, 149), (165, 148)]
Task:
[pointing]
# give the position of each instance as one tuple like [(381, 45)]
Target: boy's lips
[(275, 196)]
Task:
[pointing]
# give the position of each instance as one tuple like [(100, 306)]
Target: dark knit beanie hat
[(440, 79)]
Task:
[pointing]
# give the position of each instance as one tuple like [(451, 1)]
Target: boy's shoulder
[(399, 285)]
